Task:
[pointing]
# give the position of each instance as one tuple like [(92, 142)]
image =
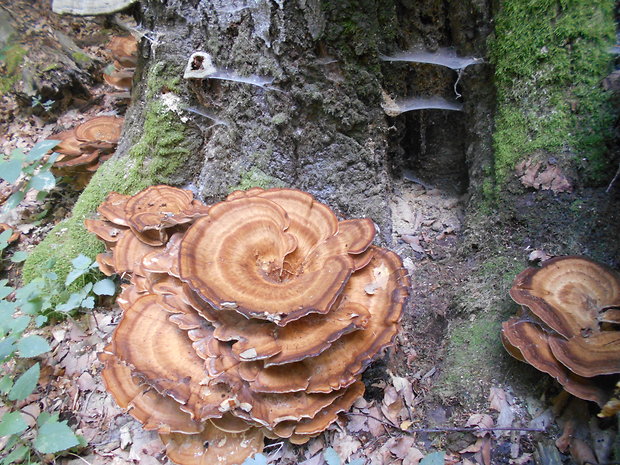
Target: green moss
[(160, 151), (474, 354), (81, 58), (256, 178), (12, 57), (549, 58)]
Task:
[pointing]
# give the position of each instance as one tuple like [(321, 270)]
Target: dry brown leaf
[(480, 420), (582, 452), (400, 446)]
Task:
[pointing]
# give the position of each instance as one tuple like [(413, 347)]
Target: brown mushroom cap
[(213, 446), (598, 354), (532, 343), (100, 128), (324, 418), (243, 243), (113, 208), (129, 252), (120, 80), (69, 144), (338, 366), (105, 230), (567, 293), (153, 410), (123, 46), (158, 207)]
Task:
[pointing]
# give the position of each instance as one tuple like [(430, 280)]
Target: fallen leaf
[(581, 452), (480, 420)]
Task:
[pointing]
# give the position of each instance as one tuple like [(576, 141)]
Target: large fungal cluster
[(252, 317), (568, 326), (83, 148)]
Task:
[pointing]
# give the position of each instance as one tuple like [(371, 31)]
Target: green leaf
[(16, 455), (258, 459), (19, 324), (104, 287), (11, 170), (6, 383), (19, 256), (40, 149), (7, 347), (5, 290), (356, 462), (4, 235), (25, 384), (44, 181), (73, 275), (55, 436), (436, 458), (331, 457), (81, 262), (13, 200), (88, 302), (12, 423), (40, 320), (31, 346)]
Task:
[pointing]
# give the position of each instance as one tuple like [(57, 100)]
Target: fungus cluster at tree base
[(83, 148), (250, 318), (568, 325)]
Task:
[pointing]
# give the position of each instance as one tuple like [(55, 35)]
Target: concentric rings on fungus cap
[(100, 128), (245, 244)]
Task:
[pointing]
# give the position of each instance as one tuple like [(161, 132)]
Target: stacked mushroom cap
[(252, 317), (125, 51), (568, 327), (83, 148)]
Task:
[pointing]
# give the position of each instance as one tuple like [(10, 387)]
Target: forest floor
[(401, 420)]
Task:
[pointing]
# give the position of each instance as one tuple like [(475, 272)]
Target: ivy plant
[(22, 310), (29, 171)]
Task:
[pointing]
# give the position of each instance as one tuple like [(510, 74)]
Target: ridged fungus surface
[(568, 326), (250, 318)]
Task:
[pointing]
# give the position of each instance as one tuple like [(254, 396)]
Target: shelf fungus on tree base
[(254, 317), (83, 148), (569, 323)]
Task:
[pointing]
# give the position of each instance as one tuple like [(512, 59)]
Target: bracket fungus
[(568, 326), (250, 318), (83, 148)]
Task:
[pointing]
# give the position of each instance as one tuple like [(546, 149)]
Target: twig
[(81, 458), (475, 429), (447, 429), (614, 179)]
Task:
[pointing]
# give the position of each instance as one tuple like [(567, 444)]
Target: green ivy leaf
[(6, 383), (331, 457), (40, 320), (16, 456), (19, 324), (43, 181), (55, 436), (104, 287), (4, 289), (81, 262), (14, 200), (11, 170), (436, 458), (31, 346), (88, 302), (258, 459), (40, 149), (19, 256), (12, 423), (25, 384), (7, 347)]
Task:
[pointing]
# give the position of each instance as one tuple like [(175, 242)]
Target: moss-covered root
[(161, 151), (550, 58)]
